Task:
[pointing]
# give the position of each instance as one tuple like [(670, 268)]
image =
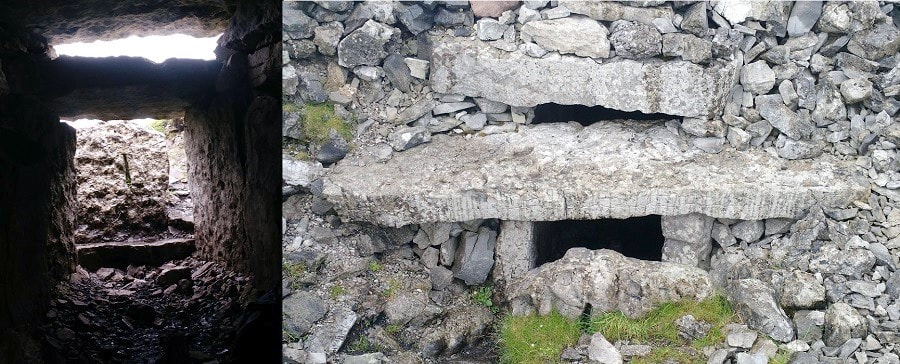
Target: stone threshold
[(562, 171), (122, 254)]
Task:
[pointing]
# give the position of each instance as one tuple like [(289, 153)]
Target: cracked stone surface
[(564, 171), (476, 69)]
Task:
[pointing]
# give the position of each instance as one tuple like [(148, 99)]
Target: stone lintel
[(562, 171), (475, 69)]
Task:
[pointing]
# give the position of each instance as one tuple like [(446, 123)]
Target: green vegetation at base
[(392, 289), (293, 270), (541, 339), (536, 339), (658, 326), (483, 296), (362, 345), (669, 355), (289, 337), (392, 329), (290, 107)]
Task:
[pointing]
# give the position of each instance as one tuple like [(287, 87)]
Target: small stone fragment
[(408, 137), (804, 16), (757, 78), (490, 29), (602, 351), (634, 40), (856, 90)]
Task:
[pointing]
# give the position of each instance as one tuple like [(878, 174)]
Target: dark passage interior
[(636, 237), (126, 292), (586, 115)]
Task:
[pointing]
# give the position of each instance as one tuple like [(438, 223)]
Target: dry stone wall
[(436, 100), (37, 197), (232, 149)]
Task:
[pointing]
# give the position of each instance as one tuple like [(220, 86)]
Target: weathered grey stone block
[(515, 251), (475, 69), (475, 256)]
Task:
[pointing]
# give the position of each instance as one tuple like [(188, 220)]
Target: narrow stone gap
[(636, 237), (587, 115), (584, 320)]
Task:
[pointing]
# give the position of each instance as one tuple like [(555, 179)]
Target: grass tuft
[(362, 345), (393, 288), (669, 355), (536, 339), (659, 325), (781, 357), (289, 337), (392, 329), (294, 148), (375, 267), (318, 119), (290, 107), (336, 291)]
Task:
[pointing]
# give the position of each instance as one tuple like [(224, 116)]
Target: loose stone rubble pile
[(788, 109), (183, 311)]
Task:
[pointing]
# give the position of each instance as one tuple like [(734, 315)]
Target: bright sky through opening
[(156, 48), (90, 123)]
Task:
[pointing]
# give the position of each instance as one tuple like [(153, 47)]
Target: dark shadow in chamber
[(636, 237), (586, 115)]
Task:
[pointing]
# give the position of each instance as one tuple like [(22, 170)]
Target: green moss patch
[(318, 119), (159, 125)]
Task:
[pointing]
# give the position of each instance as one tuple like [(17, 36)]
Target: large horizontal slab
[(122, 254), (125, 88), (474, 68), (561, 171)]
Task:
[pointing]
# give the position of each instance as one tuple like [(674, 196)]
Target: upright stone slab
[(516, 253), (474, 68), (559, 171)]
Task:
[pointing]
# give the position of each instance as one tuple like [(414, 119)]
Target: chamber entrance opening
[(131, 181), (586, 115), (636, 237)]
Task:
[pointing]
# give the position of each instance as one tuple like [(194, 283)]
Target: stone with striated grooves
[(474, 68), (564, 171)]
